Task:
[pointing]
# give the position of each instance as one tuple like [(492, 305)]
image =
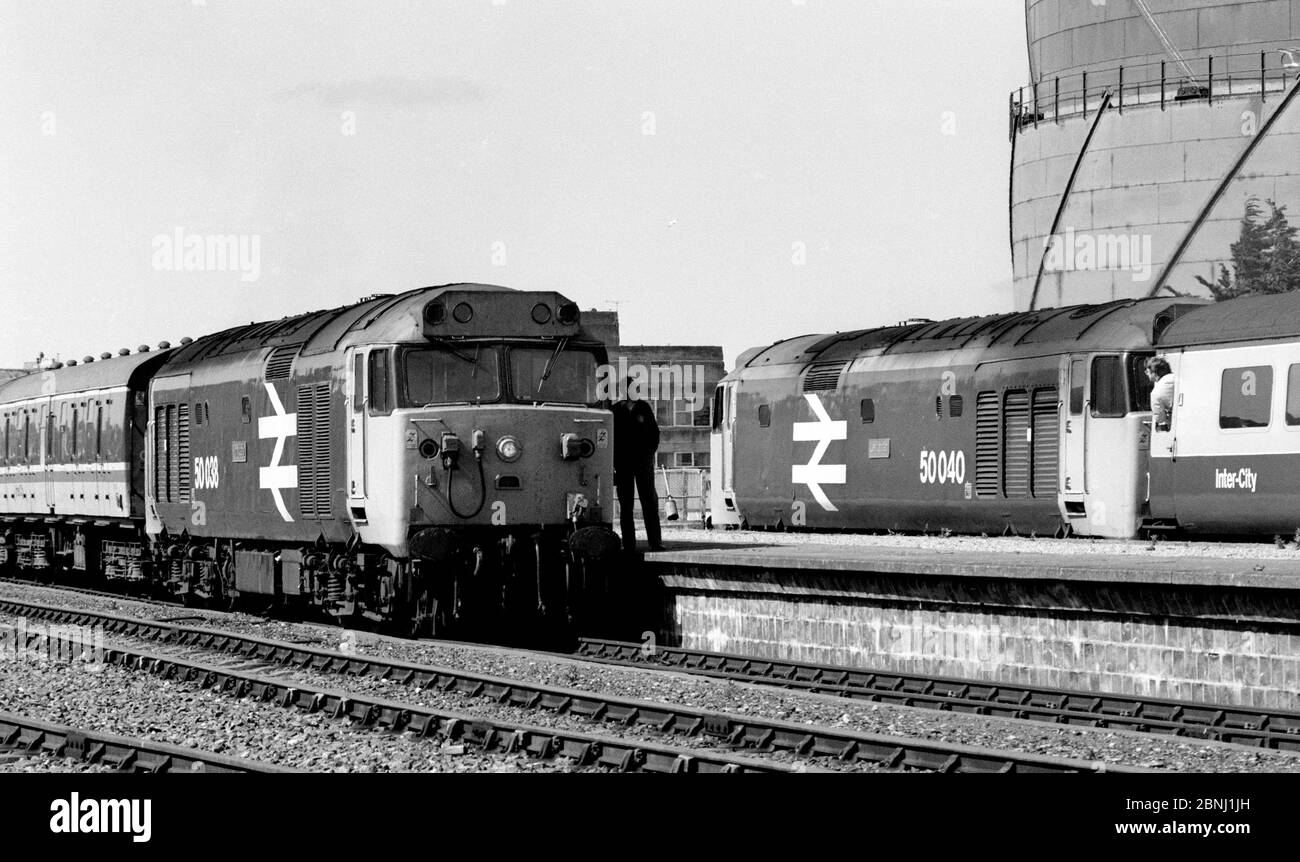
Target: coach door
[(356, 388), (48, 459)]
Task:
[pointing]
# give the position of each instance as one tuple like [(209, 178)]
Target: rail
[(1259, 728), (25, 735), (733, 732)]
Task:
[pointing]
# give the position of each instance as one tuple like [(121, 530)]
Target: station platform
[(1193, 621), (1226, 571)]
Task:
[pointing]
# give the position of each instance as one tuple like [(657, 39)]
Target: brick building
[(679, 379)]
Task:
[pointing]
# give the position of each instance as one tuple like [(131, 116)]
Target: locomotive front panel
[(480, 435)]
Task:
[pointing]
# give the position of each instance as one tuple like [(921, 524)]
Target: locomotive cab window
[(868, 410), (718, 395), (764, 415), (379, 383), (1109, 398), (469, 374), (358, 382), (1246, 397), (1139, 385), (1078, 380), (543, 374)]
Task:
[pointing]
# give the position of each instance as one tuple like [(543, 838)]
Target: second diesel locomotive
[(428, 459), (1030, 422)]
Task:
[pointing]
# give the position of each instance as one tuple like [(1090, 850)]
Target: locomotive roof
[(1246, 318), (101, 374), (1073, 328), (386, 317)]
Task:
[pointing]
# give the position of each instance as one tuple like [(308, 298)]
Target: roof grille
[(823, 376), (280, 363)]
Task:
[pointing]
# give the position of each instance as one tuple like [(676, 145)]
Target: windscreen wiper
[(550, 363), (446, 345)]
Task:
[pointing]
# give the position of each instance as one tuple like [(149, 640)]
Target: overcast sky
[(720, 172)]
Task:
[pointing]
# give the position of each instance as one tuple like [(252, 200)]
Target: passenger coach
[(1230, 460)]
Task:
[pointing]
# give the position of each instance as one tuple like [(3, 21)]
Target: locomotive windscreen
[(570, 375), (468, 374)]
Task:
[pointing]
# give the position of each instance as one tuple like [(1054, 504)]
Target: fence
[(1162, 83), (689, 489)]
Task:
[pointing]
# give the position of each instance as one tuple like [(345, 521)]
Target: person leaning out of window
[(1162, 392)]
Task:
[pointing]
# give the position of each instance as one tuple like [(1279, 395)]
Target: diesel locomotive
[(435, 459), (1035, 422), (1030, 422)]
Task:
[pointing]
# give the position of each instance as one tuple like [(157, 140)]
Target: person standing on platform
[(636, 437)]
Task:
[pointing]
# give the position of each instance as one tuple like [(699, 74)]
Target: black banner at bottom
[(333, 813)]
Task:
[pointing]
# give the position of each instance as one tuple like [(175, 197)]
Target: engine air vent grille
[(314, 489), (986, 444), (279, 365), (824, 376)]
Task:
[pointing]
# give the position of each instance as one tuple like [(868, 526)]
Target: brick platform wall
[(1134, 640)]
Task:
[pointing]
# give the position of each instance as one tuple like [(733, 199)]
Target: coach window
[(764, 415), (380, 382), (27, 436), (868, 410), (99, 430), (717, 408), (1293, 395), (1108, 398), (1245, 397), (1078, 378), (73, 447), (6, 453)]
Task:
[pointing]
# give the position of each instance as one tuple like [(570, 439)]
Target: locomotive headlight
[(508, 449)]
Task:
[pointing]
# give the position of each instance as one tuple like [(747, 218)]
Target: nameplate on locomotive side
[(878, 447), (239, 452)]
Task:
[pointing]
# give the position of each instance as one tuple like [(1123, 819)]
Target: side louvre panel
[(986, 445), (1015, 444), (314, 450)]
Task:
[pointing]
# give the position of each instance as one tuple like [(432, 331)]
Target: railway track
[(725, 734), (24, 735), (1243, 726)]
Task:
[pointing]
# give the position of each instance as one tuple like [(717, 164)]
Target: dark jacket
[(636, 434)]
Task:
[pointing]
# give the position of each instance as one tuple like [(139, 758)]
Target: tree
[(1265, 257)]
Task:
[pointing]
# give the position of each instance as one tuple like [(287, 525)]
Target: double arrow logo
[(281, 426), (814, 474)]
